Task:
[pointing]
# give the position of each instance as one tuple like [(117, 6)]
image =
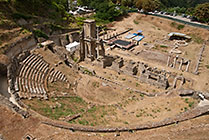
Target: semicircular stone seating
[(34, 73)]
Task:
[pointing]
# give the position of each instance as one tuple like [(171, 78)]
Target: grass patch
[(163, 46), (136, 22), (180, 26), (95, 84), (80, 21), (83, 122), (190, 103), (124, 79), (93, 109), (177, 26), (96, 115), (173, 24), (75, 59), (197, 39), (142, 95), (56, 108), (24, 31), (56, 27), (207, 66)]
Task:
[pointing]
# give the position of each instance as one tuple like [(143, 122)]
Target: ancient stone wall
[(12, 71), (150, 125), (117, 64), (131, 68), (26, 43), (64, 39)]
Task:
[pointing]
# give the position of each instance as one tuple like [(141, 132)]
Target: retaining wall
[(182, 21), (198, 111)]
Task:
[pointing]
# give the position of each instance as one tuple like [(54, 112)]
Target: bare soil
[(102, 103)]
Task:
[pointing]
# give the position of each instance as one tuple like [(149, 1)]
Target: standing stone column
[(174, 83), (98, 51), (187, 68), (174, 62), (180, 64), (168, 61), (86, 50)]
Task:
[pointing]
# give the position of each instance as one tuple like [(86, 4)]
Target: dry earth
[(110, 105)]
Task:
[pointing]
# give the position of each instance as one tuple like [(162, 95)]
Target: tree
[(202, 12), (127, 3), (148, 5)]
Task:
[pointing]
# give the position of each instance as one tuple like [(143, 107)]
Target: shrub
[(39, 33), (83, 122), (136, 22), (163, 46), (21, 15), (173, 24), (180, 26), (207, 66)]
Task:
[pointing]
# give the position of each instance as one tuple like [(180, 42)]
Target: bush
[(207, 66), (80, 21), (136, 22), (177, 26), (163, 46), (21, 15), (180, 26), (39, 33)]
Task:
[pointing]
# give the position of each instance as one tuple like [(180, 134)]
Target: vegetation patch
[(39, 33), (96, 116), (180, 26), (190, 103), (56, 108), (19, 15), (197, 39), (163, 46), (177, 26), (136, 22), (80, 21)]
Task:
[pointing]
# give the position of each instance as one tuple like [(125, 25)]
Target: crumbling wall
[(153, 79), (153, 76), (117, 63), (12, 71), (179, 63), (131, 68), (64, 39), (26, 43)]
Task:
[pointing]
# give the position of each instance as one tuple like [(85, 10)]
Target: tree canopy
[(202, 12), (148, 5)]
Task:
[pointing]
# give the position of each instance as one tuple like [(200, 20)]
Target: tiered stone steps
[(55, 75), (32, 77)]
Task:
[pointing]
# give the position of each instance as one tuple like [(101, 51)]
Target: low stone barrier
[(199, 59), (15, 108), (196, 112)]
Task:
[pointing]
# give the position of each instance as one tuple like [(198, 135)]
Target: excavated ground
[(104, 104)]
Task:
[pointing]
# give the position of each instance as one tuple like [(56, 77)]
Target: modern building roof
[(124, 44), (179, 34), (72, 46)]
